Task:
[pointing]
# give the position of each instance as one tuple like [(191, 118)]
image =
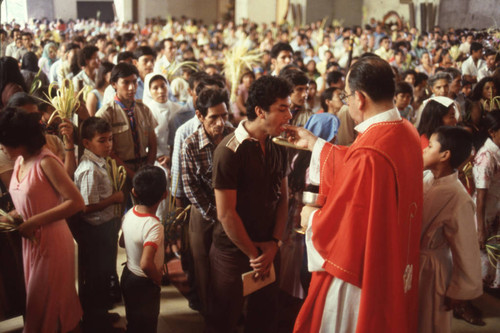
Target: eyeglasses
[(344, 96)]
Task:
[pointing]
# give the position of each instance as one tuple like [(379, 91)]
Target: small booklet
[(251, 285)]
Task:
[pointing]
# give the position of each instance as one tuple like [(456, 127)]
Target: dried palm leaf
[(493, 250), (172, 70), (467, 171), (338, 23), (13, 224), (36, 83), (85, 92), (65, 102), (454, 52), (118, 176), (237, 60), (492, 103)]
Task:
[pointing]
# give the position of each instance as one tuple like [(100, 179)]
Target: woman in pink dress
[(44, 195)]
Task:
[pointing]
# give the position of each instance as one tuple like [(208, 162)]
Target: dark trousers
[(142, 302), (96, 263), (200, 240), (226, 296)]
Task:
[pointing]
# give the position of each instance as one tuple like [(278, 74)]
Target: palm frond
[(65, 102), (493, 250), (237, 60), (36, 83), (172, 70)]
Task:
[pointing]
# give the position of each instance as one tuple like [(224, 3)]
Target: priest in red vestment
[(363, 243)]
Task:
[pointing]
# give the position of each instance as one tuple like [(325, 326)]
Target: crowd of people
[(366, 110)]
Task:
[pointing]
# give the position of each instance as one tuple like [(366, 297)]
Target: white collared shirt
[(470, 68), (241, 132), (314, 167), (390, 115)]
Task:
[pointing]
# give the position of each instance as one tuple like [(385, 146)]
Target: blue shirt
[(140, 89)]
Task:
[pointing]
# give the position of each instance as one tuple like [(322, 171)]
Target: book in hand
[(250, 284)]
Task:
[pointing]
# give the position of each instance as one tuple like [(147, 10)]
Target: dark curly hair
[(150, 183), (10, 73), (477, 92), (86, 54), (264, 92), (210, 97), (20, 128)]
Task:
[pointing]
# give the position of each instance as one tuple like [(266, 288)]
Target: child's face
[(335, 103), (466, 90), (410, 78), (449, 119), (402, 100), (101, 144), (247, 81), (432, 154), (489, 90)]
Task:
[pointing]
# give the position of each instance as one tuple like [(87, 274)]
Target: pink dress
[(52, 303)]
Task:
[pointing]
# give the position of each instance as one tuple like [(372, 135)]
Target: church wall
[(452, 13), (469, 13), (260, 11), (40, 9), (205, 9), (378, 8)]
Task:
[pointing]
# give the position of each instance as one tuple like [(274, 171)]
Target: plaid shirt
[(181, 134), (197, 159), (94, 185)]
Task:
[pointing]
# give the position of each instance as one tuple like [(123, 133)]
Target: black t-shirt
[(257, 180)]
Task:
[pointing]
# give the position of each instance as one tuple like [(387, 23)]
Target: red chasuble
[(368, 230)]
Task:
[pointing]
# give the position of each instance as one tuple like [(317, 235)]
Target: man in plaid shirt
[(196, 158)]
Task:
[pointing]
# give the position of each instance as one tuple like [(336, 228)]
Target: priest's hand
[(262, 264), (299, 136)]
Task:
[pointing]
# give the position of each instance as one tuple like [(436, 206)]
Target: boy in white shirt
[(450, 266), (143, 239)]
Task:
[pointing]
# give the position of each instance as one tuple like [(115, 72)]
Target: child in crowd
[(142, 236), (450, 269), (402, 98), (96, 230), (330, 101), (487, 178), (313, 101), (438, 111)]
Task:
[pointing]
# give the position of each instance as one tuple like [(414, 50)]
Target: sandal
[(466, 311)]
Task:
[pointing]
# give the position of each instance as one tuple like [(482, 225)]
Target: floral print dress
[(487, 176)]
